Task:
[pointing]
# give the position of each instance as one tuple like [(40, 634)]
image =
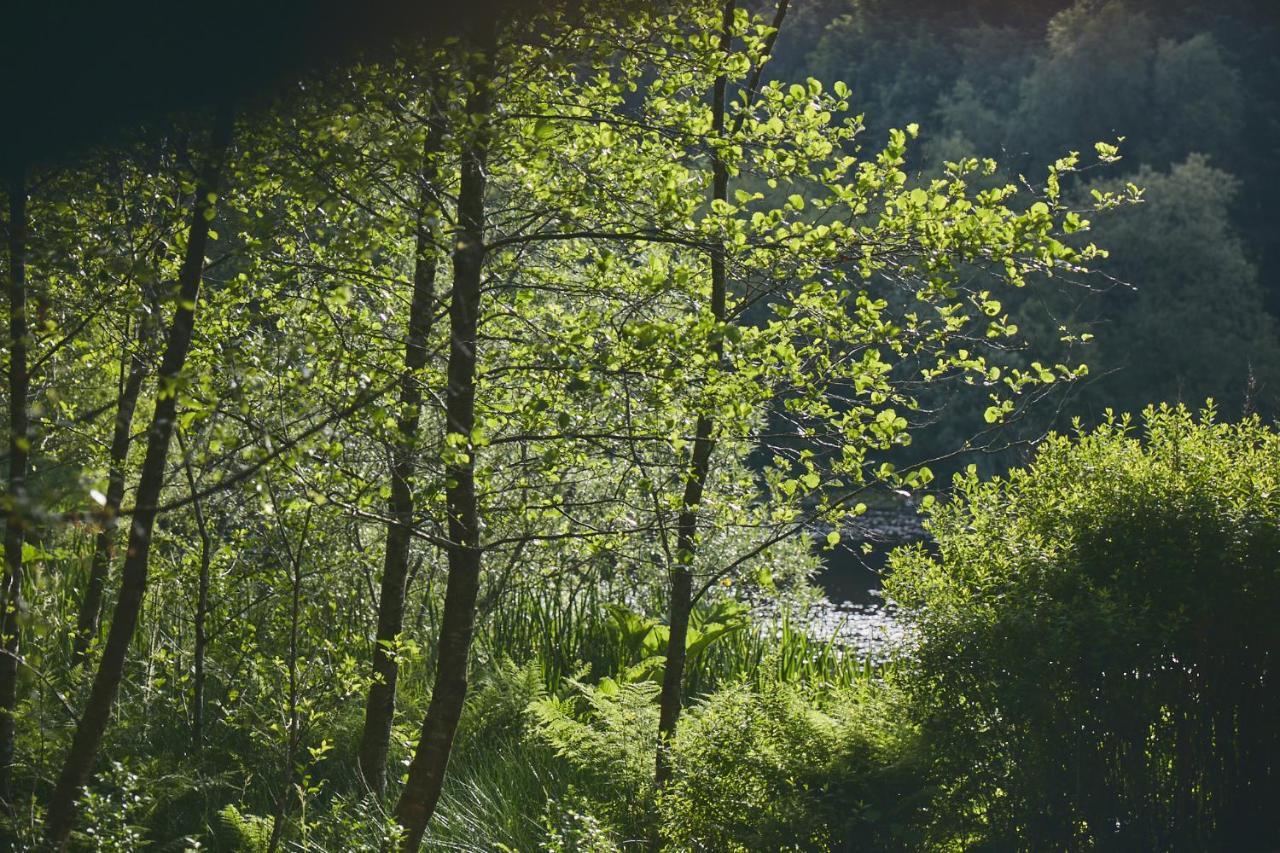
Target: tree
[(826, 384), (1189, 322), (1108, 70), (699, 459), (104, 551), (93, 721), (19, 447), (426, 773), (400, 507)]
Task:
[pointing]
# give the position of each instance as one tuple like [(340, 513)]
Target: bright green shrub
[(774, 768), (746, 764), (1098, 641)]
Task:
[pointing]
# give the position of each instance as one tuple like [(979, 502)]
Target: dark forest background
[(1190, 308)]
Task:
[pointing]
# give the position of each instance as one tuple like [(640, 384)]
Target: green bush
[(772, 768), (607, 735), (1097, 641), (777, 770)]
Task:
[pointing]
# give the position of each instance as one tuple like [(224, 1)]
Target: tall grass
[(562, 629), (780, 651), (564, 633), (495, 796)]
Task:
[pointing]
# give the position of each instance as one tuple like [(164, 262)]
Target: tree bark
[(431, 758), (133, 581), (380, 708), (19, 447), (104, 550), (671, 698)]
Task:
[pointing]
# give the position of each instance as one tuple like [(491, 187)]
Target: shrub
[(770, 768), (607, 734), (1097, 640), (778, 770)]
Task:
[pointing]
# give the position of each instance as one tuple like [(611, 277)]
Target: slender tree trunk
[(292, 735), (426, 772), (104, 550), (380, 708), (202, 605), (19, 447), (671, 698), (133, 582)]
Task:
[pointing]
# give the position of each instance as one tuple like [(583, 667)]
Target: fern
[(242, 833)]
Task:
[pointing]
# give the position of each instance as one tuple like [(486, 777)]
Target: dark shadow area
[(76, 74)]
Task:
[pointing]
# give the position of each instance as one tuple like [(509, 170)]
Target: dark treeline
[(1192, 89)]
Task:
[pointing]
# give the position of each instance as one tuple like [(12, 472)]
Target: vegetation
[(1096, 656), (442, 453), (1190, 86)]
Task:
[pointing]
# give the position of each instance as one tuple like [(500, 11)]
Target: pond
[(854, 610), (850, 576)]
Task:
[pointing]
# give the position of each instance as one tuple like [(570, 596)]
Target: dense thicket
[(1096, 665)]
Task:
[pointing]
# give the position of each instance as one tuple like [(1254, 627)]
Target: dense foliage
[(1096, 662), (779, 766)]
